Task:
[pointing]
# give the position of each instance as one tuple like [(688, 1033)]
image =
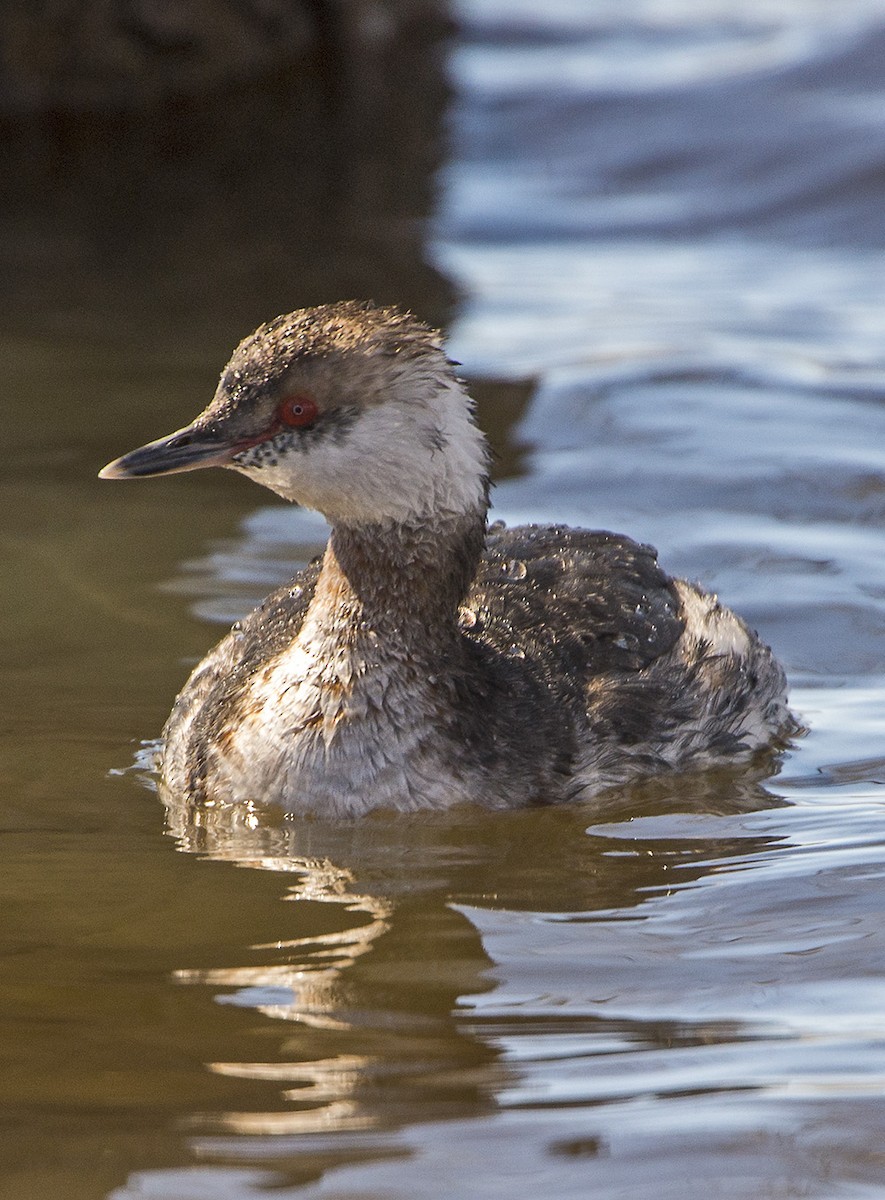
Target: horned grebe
[(427, 659)]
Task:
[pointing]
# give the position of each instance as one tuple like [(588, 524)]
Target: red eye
[(298, 410)]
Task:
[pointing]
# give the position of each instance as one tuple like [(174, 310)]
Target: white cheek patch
[(399, 460)]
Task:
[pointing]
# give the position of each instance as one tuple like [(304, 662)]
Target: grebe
[(426, 659)]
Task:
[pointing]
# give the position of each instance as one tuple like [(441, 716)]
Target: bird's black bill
[(186, 450)]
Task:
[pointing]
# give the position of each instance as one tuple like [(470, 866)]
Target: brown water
[(678, 993)]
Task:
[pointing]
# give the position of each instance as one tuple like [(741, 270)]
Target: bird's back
[(577, 602), (655, 674)]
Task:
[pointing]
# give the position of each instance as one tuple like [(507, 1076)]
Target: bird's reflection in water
[(370, 1037), (305, 985), (307, 995), (369, 993)]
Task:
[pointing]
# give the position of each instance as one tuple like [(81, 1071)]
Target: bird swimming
[(428, 658)]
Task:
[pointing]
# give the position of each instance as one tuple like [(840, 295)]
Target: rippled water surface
[(666, 223)]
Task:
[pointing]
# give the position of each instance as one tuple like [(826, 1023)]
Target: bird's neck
[(396, 585)]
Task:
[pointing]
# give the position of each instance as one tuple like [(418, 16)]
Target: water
[(667, 231)]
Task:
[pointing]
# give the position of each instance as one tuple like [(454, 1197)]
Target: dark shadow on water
[(198, 195)]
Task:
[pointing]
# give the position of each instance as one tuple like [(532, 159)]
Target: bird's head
[(349, 409)]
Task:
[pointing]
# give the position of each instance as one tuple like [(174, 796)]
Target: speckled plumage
[(426, 660)]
